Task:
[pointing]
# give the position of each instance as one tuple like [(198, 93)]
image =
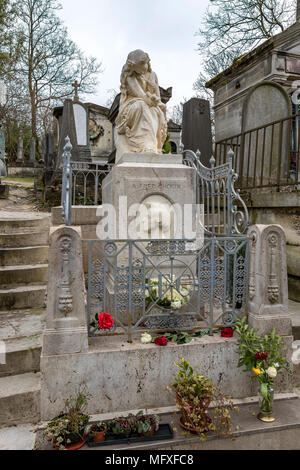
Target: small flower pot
[(150, 433), (74, 445), (98, 436), (195, 430)]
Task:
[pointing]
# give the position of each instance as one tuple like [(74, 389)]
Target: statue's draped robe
[(140, 126)]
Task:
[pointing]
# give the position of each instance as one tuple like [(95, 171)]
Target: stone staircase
[(23, 278)]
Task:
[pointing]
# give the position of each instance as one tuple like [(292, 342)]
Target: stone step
[(21, 355), (22, 297), (25, 274), (249, 433), (20, 399), (27, 255), (19, 240), (23, 222), (21, 323)]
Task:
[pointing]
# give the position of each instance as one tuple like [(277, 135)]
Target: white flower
[(272, 372), (176, 304), (146, 338), (276, 365)]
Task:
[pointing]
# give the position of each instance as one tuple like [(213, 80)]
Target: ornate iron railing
[(167, 284), (224, 211), (84, 177)]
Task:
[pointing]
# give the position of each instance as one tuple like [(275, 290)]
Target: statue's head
[(137, 62)]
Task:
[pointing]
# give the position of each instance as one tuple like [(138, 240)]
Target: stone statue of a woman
[(141, 125)]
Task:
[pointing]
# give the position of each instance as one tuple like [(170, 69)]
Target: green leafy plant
[(97, 427), (68, 427), (194, 393), (133, 424), (263, 356), (258, 352), (167, 146)]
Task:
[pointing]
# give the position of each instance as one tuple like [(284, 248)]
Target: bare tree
[(230, 29), (175, 113), (49, 61), (112, 93)]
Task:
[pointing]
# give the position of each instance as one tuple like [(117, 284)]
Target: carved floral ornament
[(273, 285), (253, 243), (65, 299)]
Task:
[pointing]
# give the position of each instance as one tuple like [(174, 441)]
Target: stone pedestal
[(268, 289), (66, 324), (148, 179)]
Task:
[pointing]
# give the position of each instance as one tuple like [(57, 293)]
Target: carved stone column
[(66, 324), (268, 288)]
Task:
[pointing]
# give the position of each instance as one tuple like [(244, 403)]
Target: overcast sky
[(110, 29)]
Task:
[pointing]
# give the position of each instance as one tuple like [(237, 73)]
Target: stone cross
[(76, 85)]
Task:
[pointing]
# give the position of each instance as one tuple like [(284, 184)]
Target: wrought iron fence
[(167, 284), (266, 156), (87, 182)]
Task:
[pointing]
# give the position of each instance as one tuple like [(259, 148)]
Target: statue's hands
[(152, 100)]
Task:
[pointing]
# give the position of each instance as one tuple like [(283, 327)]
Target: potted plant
[(143, 425), (146, 425), (96, 432), (121, 426), (66, 431), (194, 393), (263, 357)]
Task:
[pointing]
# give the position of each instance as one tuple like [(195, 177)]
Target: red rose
[(105, 321), (162, 341), (227, 333), (261, 356)]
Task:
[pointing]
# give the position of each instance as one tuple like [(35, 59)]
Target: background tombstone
[(266, 103), (49, 150), (75, 124), (3, 171), (20, 151), (196, 128), (32, 159)]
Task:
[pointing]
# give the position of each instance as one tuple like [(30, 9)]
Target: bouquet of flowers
[(263, 357), (164, 295)]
